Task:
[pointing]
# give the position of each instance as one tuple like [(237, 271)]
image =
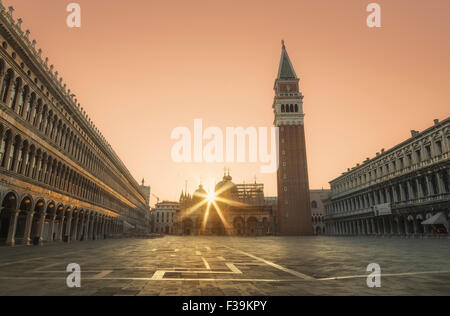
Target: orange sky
[(141, 67)]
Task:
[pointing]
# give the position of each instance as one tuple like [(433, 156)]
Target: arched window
[(14, 93), (314, 204), (296, 108), (36, 112), (5, 85), (28, 107), (3, 148), (287, 108), (22, 98), (12, 153), (292, 108), (282, 108), (42, 118)]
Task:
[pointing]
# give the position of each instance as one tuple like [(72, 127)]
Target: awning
[(438, 218), (127, 225)]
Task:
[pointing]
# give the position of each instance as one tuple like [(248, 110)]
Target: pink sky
[(140, 68)]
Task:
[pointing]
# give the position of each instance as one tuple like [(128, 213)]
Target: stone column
[(71, 233), (68, 231), (28, 224), (51, 226), (410, 190), (391, 225), (429, 186), (388, 197), (103, 228), (374, 231), (10, 240), (419, 189), (8, 148), (41, 228), (80, 226), (399, 227), (384, 225), (91, 228), (86, 226), (440, 183), (416, 228), (406, 226), (61, 229), (12, 83)]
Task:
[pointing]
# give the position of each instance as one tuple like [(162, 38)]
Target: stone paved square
[(216, 266)]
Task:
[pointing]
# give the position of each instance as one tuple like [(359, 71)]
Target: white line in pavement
[(382, 275), (198, 253), (207, 280), (208, 267), (277, 266), (150, 279), (102, 274), (154, 249), (233, 268), (221, 258), (158, 275), (20, 261), (208, 248), (45, 267)]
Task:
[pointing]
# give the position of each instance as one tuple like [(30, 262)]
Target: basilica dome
[(226, 187), (200, 193)]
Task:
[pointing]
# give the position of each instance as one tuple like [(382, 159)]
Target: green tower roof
[(285, 70)]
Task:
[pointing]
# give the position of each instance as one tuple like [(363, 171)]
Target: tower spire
[(285, 69)]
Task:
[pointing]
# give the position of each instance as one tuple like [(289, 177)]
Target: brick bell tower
[(294, 208)]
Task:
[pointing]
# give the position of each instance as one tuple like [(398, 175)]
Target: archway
[(36, 222), (238, 224), (252, 226), (187, 226), (24, 221), (80, 225), (266, 226), (48, 232), (8, 217)]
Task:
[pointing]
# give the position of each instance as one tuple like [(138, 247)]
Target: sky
[(141, 68)]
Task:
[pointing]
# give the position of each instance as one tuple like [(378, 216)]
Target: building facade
[(164, 216), (59, 177), (318, 199), (402, 191), (294, 211)]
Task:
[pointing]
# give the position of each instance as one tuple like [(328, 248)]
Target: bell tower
[(294, 209)]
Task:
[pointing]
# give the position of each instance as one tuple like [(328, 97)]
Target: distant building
[(402, 191), (238, 209), (164, 215), (146, 190), (318, 198)]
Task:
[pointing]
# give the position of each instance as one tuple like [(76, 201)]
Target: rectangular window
[(428, 152), (418, 158), (438, 147)]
